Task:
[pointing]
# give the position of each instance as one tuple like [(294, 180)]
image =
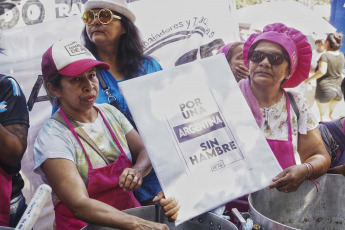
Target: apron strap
[(111, 131), (293, 104), (81, 133), (289, 116)]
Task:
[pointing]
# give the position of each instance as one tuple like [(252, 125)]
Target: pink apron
[(283, 151), (5, 197), (103, 185)]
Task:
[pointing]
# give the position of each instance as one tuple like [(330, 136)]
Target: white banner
[(174, 32), (202, 138)]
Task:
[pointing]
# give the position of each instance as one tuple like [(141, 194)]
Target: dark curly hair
[(334, 40), (131, 49), (55, 81)]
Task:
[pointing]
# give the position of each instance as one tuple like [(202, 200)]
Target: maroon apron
[(5, 197), (103, 185), (283, 151)]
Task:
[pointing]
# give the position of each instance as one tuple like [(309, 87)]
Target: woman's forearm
[(143, 163), (99, 213), (318, 164), (318, 74)]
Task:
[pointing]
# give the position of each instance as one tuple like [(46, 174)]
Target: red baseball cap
[(69, 58)]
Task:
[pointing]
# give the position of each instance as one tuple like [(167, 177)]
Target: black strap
[(104, 85), (293, 104), (112, 99)]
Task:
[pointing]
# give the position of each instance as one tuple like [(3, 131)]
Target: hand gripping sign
[(201, 136)]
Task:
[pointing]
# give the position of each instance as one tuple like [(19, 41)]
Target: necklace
[(266, 124), (69, 117), (266, 110)]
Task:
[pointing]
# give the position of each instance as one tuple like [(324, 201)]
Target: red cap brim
[(77, 68)]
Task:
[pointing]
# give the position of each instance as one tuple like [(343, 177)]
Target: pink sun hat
[(294, 42), (69, 58), (225, 49)]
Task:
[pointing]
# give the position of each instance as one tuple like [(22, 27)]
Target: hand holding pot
[(290, 179)]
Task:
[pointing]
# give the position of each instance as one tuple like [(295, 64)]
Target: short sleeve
[(13, 109), (307, 121), (324, 57), (53, 141)]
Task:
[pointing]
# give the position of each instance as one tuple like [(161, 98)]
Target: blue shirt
[(114, 88)]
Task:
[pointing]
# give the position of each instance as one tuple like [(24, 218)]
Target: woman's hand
[(170, 206), (130, 179), (241, 72), (337, 170), (290, 179)]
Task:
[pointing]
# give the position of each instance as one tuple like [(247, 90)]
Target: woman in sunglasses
[(279, 58), (84, 151), (111, 36), (329, 75)]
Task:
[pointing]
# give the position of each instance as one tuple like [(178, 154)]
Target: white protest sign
[(202, 138), (174, 32), (178, 31)]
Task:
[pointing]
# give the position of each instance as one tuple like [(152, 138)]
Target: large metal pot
[(304, 209), (206, 221)]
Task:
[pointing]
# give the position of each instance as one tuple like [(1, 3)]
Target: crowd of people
[(90, 152)]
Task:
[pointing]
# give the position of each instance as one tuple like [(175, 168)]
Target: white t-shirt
[(56, 141)]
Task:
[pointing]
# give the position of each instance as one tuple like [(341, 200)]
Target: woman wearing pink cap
[(233, 54), (85, 150), (279, 58)]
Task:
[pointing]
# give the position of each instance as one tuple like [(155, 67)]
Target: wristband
[(308, 170)]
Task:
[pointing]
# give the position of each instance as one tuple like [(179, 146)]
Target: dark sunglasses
[(105, 16), (273, 58)]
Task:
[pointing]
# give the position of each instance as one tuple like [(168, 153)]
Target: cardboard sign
[(201, 136)]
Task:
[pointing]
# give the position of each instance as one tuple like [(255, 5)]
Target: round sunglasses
[(273, 58), (105, 16)]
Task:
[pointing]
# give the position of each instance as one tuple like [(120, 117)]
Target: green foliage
[(309, 3)]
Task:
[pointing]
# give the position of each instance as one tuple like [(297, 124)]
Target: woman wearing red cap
[(85, 150), (279, 58)]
